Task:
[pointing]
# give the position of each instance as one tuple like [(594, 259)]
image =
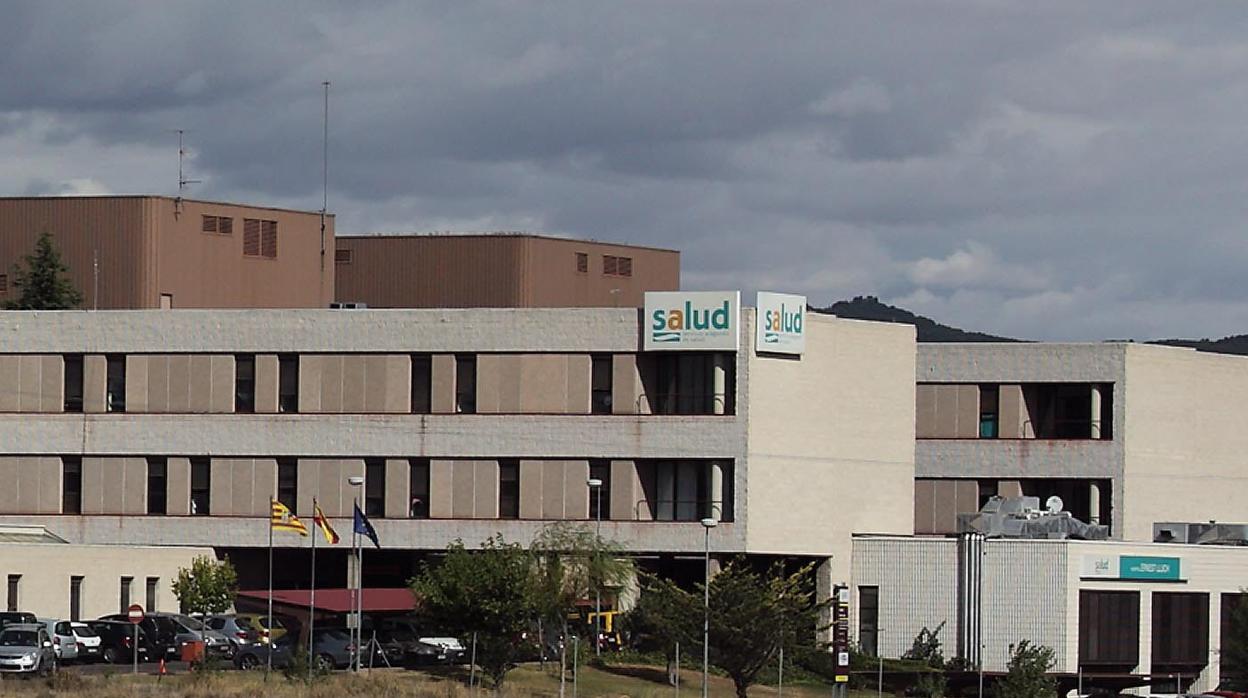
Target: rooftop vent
[(1022, 517)]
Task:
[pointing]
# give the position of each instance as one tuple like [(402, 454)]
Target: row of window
[(259, 236), (612, 265), (13, 601), (288, 383), (687, 482)]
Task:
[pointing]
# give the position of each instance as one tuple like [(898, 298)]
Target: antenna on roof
[(324, 172), (182, 180)]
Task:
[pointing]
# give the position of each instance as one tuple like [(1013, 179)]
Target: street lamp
[(596, 485), (707, 525), (357, 482)]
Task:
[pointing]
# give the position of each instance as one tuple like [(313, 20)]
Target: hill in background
[(927, 329)]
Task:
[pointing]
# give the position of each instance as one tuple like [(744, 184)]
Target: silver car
[(26, 648), (191, 630)]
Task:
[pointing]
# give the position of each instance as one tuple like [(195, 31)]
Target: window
[(157, 485), (685, 383), (73, 383), (4, 283), (287, 383), (201, 485), (418, 488), (218, 224), (15, 582), (152, 583), (375, 487), (509, 489), (123, 599), (287, 482), (71, 485), (989, 396), (869, 620), (75, 598), (600, 380), (116, 383), (245, 383), (268, 239), (251, 237), (600, 470), (617, 266), (422, 382), (342, 256), (465, 383), (1109, 630), (582, 262)]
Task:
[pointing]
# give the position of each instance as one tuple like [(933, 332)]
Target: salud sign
[(691, 321), (780, 327)]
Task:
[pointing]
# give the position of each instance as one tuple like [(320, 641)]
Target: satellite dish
[(1054, 504)]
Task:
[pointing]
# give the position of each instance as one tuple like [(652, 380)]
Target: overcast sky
[(1036, 169)]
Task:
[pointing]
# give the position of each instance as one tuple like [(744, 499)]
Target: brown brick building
[(158, 251), (500, 271)]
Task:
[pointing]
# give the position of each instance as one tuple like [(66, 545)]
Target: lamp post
[(707, 525), (357, 604), (595, 484)]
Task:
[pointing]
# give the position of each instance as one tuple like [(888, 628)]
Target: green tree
[(751, 616), (573, 564), (1235, 649), (1027, 673), (491, 592), (208, 586), (666, 615), (43, 283)]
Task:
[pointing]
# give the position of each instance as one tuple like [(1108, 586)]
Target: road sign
[(135, 613)]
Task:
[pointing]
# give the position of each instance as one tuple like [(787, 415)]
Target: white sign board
[(780, 327), (1099, 567), (692, 321)]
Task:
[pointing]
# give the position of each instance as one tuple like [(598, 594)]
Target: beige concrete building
[(46, 576), (1126, 434), (499, 271), (134, 252), (1150, 617), (176, 428)]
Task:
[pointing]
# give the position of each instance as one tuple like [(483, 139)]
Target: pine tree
[(44, 284)]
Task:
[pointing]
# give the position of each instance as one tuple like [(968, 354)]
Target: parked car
[(63, 641), (9, 617), (403, 642), (269, 628), (88, 642), (117, 641), (161, 633), (26, 648), (331, 649), (192, 630), (237, 629)]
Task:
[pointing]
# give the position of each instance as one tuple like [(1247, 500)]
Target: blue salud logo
[(671, 324), (785, 321)]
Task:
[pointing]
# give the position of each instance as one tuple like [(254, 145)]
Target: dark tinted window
[(600, 470), (465, 383), (245, 383), (71, 485), (375, 487), (422, 382), (287, 482), (418, 488), (288, 383), (157, 485), (73, 383), (201, 486), (115, 384), (600, 398), (508, 489)]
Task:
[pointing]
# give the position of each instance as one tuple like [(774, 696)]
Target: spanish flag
[(318, 518), (284, 519)]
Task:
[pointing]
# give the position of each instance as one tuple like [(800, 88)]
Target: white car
[(63, 641), (89, 643)]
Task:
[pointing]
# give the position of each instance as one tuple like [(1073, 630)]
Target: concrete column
[(1146, 635), (716, 490), (824, 584), (1096, 411), (719, 383), (1212, 675), (1094, 503)]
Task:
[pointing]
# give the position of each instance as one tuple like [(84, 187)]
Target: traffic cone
[(163, 670)]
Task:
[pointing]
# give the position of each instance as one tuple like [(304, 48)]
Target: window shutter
[(251, 237), (225, 226), (342, 256), (610, 265), (209, 224), (4, 283), (268, 238), (582, 262), (625, 266)]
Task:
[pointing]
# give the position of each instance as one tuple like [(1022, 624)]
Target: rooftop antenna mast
[(182, 180), (324, 172)]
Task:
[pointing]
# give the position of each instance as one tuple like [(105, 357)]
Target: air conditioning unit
[(348, 305)]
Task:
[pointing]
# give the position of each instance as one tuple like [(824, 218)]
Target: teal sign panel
[(1148, 568)]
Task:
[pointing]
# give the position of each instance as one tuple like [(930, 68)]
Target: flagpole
[(312, 594), (355, 594), (269, 655)]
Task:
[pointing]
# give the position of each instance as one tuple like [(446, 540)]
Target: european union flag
[(364, 527)]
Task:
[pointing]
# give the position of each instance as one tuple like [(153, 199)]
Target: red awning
[(340, 600)]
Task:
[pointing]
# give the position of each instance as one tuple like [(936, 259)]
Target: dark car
[(331, 648), (11, 617), (117, 641), (162, 634)]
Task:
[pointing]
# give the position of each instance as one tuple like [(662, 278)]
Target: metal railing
[(715, 509), (682, 403)]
